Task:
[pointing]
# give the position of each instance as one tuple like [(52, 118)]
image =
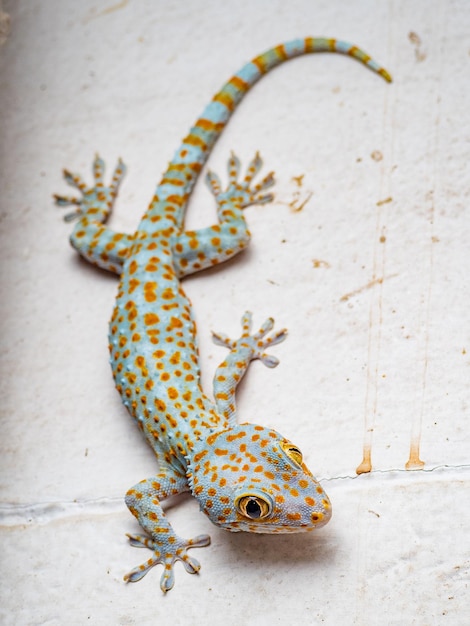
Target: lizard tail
[(188, 160)]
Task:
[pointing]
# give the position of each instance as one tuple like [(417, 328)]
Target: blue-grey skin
[(245, 477)]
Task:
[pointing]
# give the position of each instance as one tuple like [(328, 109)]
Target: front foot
[(167, 553), (255, 343), (97, 200), (242, 193)]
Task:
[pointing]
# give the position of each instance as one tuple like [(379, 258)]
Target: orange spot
[(161, 406), (175, 359), (151, 318), (151, 266), (149, 291), (175, 322), (294, 516), (133, 284), (168, 294)]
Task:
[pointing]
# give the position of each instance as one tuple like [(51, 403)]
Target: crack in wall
[(13, 514)]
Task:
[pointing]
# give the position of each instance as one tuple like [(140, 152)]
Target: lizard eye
[(293, 453), (253, 507)]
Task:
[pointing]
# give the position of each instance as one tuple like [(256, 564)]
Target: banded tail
[(188, 160)]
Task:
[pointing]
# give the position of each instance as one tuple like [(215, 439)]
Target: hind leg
[(97, 243), (200, 249)]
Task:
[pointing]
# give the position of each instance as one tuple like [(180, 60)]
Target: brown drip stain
[(366, 465), (414, 462)]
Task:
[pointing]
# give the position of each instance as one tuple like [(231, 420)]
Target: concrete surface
[(363, 256)]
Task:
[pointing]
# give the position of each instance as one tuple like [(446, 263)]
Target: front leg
[(242, 351), (143, 501)]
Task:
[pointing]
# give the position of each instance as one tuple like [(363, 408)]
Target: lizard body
[(245, 477)]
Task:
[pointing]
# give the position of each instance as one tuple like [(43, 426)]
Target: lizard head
[(251, 478)]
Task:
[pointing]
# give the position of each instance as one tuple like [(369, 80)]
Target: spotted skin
[(245, 477)]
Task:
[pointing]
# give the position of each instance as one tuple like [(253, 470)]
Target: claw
[(257, 342), (265, 328), (269, 361), (141, 570), (277, 337), (167, 555), (75, 215), (253, 168), (98, 199), (65, 200), (269, 197), (213, 182), (241, 193), (267, 182), (221, 339), (69, 201), (98, 170), (75, 180), (233, 167), (246, 323), (119, 173)]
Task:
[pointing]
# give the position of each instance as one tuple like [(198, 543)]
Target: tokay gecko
[(245, 477)]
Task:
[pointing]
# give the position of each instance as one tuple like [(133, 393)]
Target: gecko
[(245, 477)]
